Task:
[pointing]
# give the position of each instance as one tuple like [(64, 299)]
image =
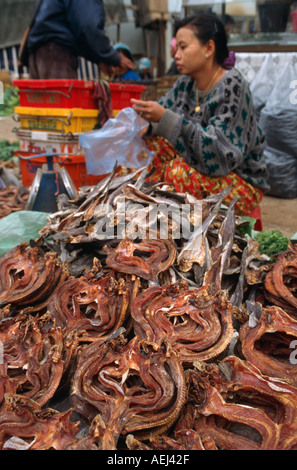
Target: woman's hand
[(149, 110)]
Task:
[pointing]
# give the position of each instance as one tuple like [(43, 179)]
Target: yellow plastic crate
[(75, 120)]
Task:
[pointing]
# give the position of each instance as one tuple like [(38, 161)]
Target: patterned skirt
[(172, 169)]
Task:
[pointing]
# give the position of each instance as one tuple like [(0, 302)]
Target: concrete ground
[(277, 214), (7, 124)]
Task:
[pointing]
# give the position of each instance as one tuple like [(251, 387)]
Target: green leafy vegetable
[(11, 99), (7, 149), (271, 242)]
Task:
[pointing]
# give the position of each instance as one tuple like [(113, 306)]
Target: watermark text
[(151, 221)]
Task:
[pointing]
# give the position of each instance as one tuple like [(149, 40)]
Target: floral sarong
[(172, 169)]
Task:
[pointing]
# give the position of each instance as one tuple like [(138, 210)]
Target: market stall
[(137, 318)]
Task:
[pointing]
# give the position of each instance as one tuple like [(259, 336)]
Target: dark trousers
[(52, 61)]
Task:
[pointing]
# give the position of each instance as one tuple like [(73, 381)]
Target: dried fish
[(12, 199), (194, 250), (197, 323), (158, 256), (27, 279), (281, 281), (267, 344), (145, 382)]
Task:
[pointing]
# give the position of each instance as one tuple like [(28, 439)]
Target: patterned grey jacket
[(223, 136)]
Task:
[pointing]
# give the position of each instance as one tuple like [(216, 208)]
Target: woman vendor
[(204, 130)]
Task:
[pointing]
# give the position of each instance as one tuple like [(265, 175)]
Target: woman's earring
[(206, 56)]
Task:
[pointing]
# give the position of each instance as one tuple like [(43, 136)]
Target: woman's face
[(190, 55)]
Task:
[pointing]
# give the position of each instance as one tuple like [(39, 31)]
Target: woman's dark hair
[(205, 27)]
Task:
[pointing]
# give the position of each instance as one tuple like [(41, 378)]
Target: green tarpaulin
[(20, 227)]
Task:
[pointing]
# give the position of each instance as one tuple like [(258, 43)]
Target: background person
[(210, 138), (172, 69), (144, 68), (65, 30), (229, 22), (125, 71)]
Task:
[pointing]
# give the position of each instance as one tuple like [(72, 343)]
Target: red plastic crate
[(56, 93), (74, 164), (122, 93)]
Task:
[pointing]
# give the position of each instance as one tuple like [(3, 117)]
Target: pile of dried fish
[(145, 319), (12, 199)]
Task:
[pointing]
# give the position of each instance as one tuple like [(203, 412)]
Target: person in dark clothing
[(64, 30)]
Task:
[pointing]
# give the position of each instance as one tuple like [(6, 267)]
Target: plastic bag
[(262, 84), (19, 227), (119, 140), (278, 121), (280, 97), (280, 129), (282, 173), (279, 117)]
